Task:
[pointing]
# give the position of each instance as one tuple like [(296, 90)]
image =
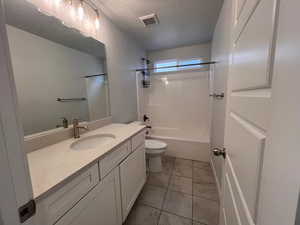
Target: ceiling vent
[(149, 19)]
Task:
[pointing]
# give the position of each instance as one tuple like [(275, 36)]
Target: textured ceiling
[(182, 22)]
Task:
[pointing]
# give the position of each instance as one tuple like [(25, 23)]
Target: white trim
[(15, 184), (216, 177), (8, 204)]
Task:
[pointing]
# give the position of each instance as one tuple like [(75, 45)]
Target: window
[(191, 61), (159, 65), (165, 63)]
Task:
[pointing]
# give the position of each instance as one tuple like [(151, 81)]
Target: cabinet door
[(133, 177), (102, 206), (59, 202)]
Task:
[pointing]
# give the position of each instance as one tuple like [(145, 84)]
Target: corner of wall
[(123, 57)]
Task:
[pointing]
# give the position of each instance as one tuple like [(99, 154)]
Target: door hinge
[(27, 211), (220, 152)]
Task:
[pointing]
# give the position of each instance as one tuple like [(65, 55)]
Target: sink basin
[(92, 142)]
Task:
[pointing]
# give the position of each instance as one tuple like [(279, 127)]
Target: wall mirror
[(59, 73)]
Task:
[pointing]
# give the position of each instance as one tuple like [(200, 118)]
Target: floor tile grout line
[(174, 214), (183, 176), (198, 182), (148, 205), (165, 196), (160, 212), (208, 199), (205, 169), (181, 192), (173, 169), (178, 215)]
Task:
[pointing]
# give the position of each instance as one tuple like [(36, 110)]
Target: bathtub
[(187, 144)]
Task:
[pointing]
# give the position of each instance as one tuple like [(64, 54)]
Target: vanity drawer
[(112, 159), (51, 208), (138, 140)]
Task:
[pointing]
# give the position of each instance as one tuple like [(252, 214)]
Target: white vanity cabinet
[(102, 206), (103, 193), (133, 178)]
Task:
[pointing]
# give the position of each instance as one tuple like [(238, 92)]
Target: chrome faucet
[(76, 128)]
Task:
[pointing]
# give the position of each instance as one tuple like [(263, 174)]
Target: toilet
[(154, 151)]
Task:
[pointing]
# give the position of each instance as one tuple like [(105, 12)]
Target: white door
[(133, 178), (248, 108), (280, 185), (102, 206), (15, 184), (219, 73)]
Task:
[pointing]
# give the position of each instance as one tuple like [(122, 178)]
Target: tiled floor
[(184, 193)]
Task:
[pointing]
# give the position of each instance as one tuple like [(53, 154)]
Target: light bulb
[(97, 23), (72, 12), (80, 11), (57, 3)]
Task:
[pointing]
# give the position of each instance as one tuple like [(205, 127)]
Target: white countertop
[(51, 165)]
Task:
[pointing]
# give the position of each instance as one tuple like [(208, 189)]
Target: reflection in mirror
[(59, 73)]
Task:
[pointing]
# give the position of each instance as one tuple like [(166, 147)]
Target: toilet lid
[(155, 144)]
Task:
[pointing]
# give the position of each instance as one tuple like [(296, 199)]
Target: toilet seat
[(155, 145)]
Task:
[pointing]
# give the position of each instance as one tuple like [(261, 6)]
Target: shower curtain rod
[(185, 65), (96, 75)]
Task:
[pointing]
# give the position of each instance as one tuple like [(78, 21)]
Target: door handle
[(217, 96), (220, 152)]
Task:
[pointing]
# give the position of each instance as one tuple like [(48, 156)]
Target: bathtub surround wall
[(178, 104)]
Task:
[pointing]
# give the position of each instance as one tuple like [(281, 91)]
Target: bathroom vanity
[(91, 184)]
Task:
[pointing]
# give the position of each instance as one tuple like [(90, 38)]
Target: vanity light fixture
[(78, 16), (97, 22)]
